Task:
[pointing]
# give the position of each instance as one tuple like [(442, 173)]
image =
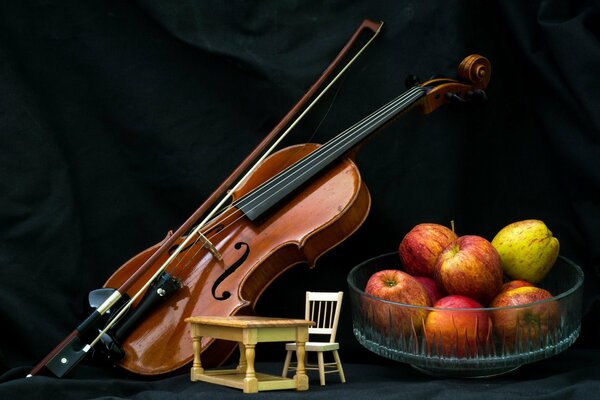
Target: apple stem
[(452, 226)]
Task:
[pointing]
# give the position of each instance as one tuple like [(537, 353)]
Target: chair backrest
[(323, 308)]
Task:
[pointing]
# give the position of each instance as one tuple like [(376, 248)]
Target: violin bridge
[(213, 250)]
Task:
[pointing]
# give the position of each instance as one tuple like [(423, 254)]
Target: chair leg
[(336, 356), (286, 364), (321, 368)]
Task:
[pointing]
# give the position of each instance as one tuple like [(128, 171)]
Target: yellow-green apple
[(431, 288), (527, 249), (517, 283), (527, 324), (458, 326), (470, 266), (421, 246), (396, 286)]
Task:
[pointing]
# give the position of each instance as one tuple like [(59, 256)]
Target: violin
[(291, 207)]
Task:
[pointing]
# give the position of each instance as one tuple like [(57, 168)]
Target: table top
[(238, 321)]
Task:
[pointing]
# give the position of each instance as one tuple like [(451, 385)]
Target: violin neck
[(267, 195)]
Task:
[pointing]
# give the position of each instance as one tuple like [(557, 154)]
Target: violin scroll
[(474, 71)]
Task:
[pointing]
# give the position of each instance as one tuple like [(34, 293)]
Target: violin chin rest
[(98, 296)]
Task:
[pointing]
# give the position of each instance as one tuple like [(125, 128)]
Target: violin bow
[(71, 350)]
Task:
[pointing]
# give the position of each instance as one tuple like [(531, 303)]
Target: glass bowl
[(467, 342)]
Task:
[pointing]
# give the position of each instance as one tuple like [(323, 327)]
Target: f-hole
[(230, 270)]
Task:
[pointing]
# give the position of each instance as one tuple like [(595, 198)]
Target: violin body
[(315, 218)]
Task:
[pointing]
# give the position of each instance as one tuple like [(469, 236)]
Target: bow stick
[(72, 350)]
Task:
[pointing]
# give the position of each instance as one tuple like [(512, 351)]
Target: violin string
[(382, 114), (333, 145), (285, 163), (211, 215), (331, 103), (173, 270), (378, 116)]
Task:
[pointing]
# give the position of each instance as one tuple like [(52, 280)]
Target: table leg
[(197, 365), (250, 381), (301, 378), (243, 363)]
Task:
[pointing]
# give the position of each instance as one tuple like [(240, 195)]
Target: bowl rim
[(577, 286)]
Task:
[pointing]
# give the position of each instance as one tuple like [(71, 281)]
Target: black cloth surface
[(568, 375), (117, 119)]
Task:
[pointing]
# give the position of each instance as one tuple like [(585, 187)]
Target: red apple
[(421, 246), (431, 288), (399, 287), (526, 325), (457, 333), (517, 283), (470, 267)]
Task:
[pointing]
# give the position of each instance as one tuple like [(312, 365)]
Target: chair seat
[(314, 346), (323, 308)]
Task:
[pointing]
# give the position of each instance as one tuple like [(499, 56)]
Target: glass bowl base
[(448, 373)]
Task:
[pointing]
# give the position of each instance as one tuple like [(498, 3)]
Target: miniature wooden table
[(248, 331)]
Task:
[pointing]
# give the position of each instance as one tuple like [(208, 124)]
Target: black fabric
[(117, 119)]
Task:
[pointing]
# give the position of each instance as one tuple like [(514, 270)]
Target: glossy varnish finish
[(305, 225)]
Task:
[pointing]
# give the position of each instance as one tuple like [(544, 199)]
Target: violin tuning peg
[(411, 80), (454, 98), (477, 95)]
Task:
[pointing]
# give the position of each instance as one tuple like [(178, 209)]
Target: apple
[(470, 267), (421, 246), (520, 327), (399, 287), (527, 249), (517, 283), (431, 288), (452, 329)]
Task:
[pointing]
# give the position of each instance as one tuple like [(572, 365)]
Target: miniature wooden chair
[(324, 309)]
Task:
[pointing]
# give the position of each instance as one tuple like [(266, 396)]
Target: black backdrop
[(117, 119)]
